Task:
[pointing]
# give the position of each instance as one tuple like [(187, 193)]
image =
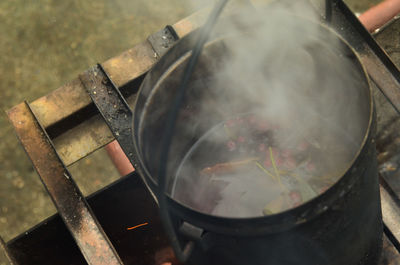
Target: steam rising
[(296, 71), (293, 73)]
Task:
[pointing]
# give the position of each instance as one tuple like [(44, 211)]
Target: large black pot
[(342, 226)]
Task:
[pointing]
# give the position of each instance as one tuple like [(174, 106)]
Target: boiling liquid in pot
[(249, 167)]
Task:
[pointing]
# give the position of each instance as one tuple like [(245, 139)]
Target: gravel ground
[(46, 43)]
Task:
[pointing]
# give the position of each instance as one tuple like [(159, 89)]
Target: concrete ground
[(46, 43)]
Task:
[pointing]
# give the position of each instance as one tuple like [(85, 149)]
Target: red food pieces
[(231, 145), (276, 157), (263, 125), (230, 123), (267, 162), (278, 161), (310, 167), (290, 163), (239, 120), (295, 197), (302, 146), (241, 139), (286, 153), (262, 148), (275, 152), (252, 119)]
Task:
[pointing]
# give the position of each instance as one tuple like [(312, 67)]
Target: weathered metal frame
[(71, 103), (51, 149), (70, 100), (50, 242), (69, 201), (112, 106)]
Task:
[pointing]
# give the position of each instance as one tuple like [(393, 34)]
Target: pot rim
[(254, 226)]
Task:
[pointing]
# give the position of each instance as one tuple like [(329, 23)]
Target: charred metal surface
[(130, 64), (65, 194), (111, 105), (162, 40), (89, 135), (51, 243)]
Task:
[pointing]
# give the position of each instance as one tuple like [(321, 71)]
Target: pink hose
[(119, 159), (380, 14)]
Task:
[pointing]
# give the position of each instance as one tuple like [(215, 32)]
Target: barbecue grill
[(96, 108)]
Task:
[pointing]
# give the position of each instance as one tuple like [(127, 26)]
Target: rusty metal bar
[(111, 105), (83, 139), (63, 103), (162, 40), (390, 210), (66, 196), (190, 23), (72, 97), (390, 255), (122, 69), (3, 247)]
